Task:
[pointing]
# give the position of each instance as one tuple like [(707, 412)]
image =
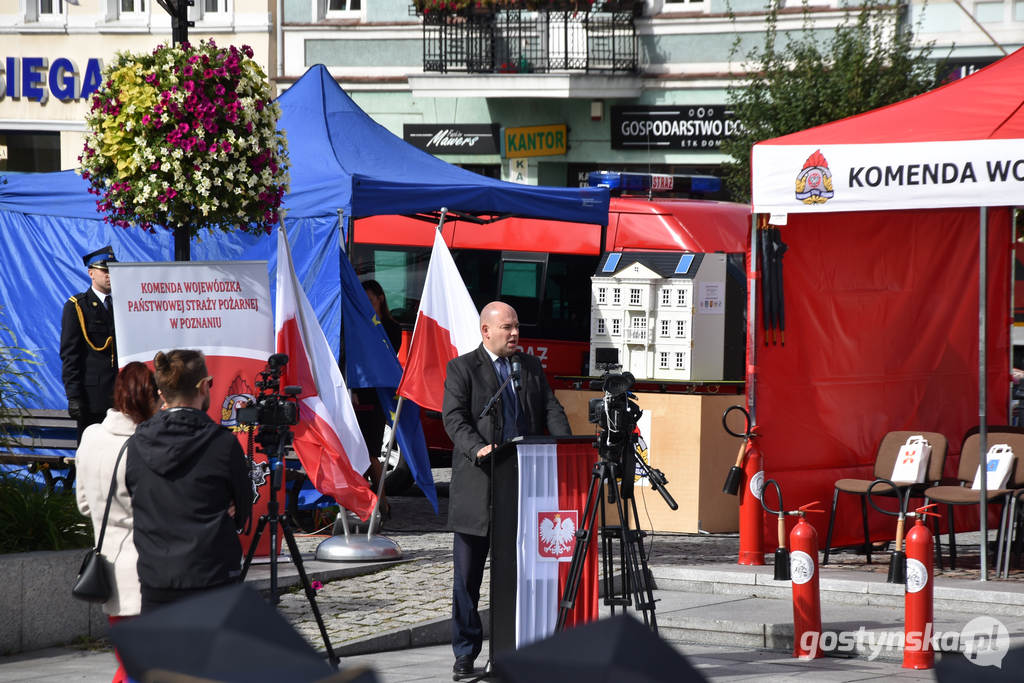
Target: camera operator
[(529, 408), (190, 488)]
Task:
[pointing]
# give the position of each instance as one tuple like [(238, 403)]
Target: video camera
[(273, 411), (615, 413)]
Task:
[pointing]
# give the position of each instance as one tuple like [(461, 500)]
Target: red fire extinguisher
[(918, 605), (746, 478), (803, 569), (751, 512)]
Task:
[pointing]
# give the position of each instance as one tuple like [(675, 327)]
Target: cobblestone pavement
[(418, 590), (398, 595)]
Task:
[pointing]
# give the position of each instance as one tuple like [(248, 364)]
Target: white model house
[(662, 312)]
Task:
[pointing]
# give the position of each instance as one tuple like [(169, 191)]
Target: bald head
[(499, 328)]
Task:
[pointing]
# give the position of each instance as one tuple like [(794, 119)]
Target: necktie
[(509, 405), (109, 303)]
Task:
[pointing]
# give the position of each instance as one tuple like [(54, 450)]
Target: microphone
[(517, 373)]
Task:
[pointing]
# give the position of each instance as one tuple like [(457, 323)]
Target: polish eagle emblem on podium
[(814, 182), (556, 534)]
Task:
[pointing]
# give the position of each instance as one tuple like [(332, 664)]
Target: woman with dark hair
[(379, 301), (190, 488), (369, 412), (135, 400)]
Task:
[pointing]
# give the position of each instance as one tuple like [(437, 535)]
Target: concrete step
[(845, 587), (862, 616)]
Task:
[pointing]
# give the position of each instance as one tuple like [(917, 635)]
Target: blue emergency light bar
[(633, 183)]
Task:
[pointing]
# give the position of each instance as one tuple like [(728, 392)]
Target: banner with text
[(221, 308), (873, 177)]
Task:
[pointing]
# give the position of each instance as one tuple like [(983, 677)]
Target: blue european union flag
[(371, 362), (411, 441)]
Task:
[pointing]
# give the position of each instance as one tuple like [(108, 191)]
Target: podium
[(538, 492)]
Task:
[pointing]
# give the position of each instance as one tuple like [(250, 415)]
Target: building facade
[(664, 111), (52, 52), (536, 97)]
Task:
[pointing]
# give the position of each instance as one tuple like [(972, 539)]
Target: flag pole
[(349, 548), (394, 428), (371, 527)]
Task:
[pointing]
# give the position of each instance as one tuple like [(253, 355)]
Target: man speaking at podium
[(528, 407)]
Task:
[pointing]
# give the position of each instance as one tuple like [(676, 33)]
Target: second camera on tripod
[(273, 411)]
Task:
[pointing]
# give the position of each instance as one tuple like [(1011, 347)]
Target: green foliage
[(806, 78), (16, 366), (32, 518)]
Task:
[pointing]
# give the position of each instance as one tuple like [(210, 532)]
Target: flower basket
[(186, 137)]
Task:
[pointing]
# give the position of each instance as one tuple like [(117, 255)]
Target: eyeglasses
[(199, 384)]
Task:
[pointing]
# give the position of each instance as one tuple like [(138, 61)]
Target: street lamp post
[(178, 9)]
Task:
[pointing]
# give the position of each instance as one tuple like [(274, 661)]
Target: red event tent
[(882, 279)]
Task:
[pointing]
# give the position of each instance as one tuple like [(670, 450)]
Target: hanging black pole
[(178, 9)]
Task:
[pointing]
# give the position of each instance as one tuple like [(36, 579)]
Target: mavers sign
[(456, 138)]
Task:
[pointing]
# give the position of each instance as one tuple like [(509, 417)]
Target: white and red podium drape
[(553, 484)]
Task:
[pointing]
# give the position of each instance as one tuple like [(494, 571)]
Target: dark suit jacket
[(88, 375), (470, 383)]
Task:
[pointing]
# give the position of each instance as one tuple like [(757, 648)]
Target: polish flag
[(327, 438), (448, 325)]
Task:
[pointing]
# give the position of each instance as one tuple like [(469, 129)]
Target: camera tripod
[(275, 520), (635, 587)]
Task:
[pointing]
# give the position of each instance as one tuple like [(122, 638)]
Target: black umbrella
[(616, 649), (988, 666), (229, 634), (767, 288), (778, 251)]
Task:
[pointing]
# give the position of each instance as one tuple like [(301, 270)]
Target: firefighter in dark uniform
[(87, 351)]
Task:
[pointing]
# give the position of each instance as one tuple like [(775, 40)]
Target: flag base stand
[(352, 549), (348, 548)]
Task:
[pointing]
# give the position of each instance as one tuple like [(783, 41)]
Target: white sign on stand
[(222, 308), (522, 171)]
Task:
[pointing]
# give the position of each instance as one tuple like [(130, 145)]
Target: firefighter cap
[(99, 258)]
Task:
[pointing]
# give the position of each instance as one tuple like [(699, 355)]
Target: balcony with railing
[(529, 36)]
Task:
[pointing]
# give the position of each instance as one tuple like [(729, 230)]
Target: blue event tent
[(340, 160)]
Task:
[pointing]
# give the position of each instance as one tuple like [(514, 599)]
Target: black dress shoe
[(463, 667)]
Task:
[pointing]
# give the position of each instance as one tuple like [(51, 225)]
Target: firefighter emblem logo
[(801, 566), (917, 575), (556, 534), (239, 395), (814, 182)]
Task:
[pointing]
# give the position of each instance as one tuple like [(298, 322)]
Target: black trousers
[(467, 630), (155, 598)]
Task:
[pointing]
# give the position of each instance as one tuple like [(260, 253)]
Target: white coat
[(94, 461)]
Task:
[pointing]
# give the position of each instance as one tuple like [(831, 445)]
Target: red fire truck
[(542, 268)]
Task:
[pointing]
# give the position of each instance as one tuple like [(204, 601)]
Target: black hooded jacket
[(183, 471)]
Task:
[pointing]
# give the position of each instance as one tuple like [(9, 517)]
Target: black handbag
[(93, 584)]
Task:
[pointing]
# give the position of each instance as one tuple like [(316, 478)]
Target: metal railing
[(504, 40)]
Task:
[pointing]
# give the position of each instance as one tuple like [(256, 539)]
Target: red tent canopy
[(881, 282), (959, 145), (987, 104)]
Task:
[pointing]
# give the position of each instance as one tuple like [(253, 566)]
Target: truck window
[(565, 312), (400, 271), (521, 288), (479, 270)]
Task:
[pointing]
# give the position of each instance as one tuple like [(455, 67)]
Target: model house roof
[(666, 264)]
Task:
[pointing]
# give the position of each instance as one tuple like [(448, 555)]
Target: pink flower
[(316, 585)]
